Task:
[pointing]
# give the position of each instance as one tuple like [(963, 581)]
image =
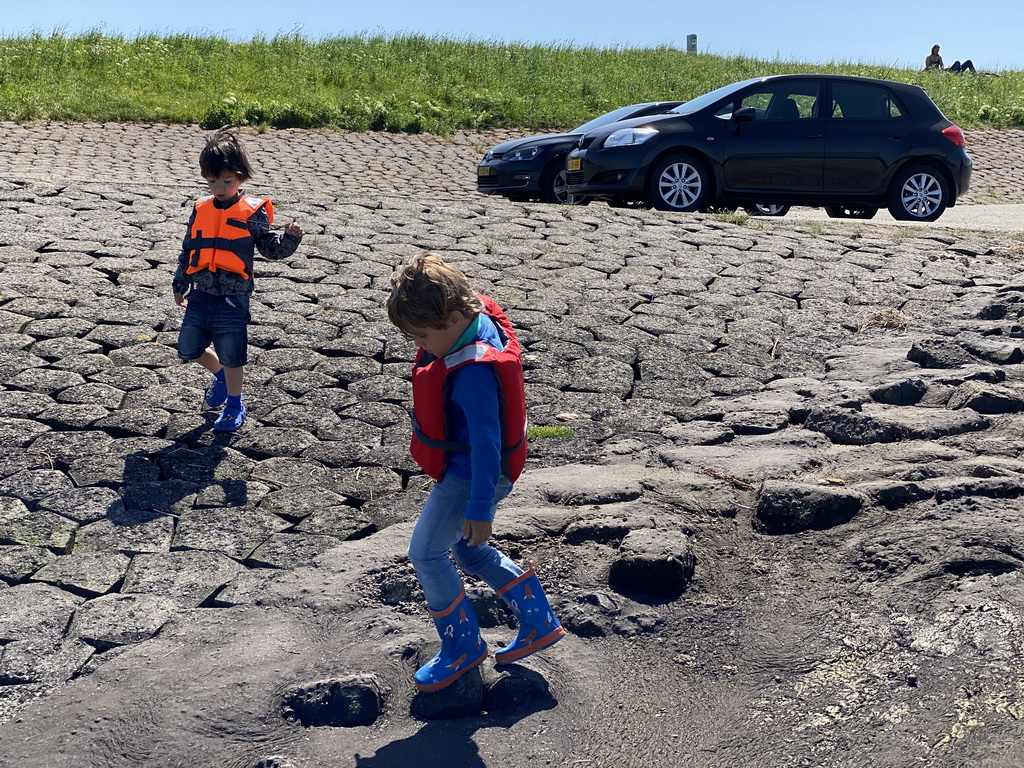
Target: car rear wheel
[(850, 212), (918, 193), (553, 188), (678, 183), (767, 209)]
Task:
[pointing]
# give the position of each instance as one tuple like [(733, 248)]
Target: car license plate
[(573, 164), (483, 170)]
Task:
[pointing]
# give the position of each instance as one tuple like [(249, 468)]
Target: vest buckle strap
[(444, 445)]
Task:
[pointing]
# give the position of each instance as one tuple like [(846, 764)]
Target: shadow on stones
[(644, 596), (195, 471), (437, 743), (450, 741)]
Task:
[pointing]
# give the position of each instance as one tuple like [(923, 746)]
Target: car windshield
[(611, 117), (695, 105)]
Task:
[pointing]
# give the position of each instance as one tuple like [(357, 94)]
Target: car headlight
[(625, 137), (526, 153)]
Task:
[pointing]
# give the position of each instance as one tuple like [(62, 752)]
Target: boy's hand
[(293, 229), (477, 531), (179, 299)]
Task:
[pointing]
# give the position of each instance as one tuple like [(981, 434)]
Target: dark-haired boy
[(215, 272)]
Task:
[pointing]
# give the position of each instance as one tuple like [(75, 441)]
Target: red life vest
[(221, 238), (430, 442)]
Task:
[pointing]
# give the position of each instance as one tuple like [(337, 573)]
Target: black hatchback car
[(850, 144), (534, 168)]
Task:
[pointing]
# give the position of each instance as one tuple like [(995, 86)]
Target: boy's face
[(437, 341), (225, 185)]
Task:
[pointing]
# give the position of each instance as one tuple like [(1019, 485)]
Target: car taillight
[(954, 134)]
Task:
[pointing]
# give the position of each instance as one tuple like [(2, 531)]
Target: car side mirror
[(740, 116), (744, 115)]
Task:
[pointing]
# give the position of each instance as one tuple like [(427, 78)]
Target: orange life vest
[(221, 238), (430, 439)]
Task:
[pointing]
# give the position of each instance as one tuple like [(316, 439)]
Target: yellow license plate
[(483, 170), (574, 164)]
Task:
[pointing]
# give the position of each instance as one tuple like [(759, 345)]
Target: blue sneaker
[(230, 419), (216, 394)]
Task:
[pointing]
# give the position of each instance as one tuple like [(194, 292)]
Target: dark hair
[(426, 291), (224, 152)]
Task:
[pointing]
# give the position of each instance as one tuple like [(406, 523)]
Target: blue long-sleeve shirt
[(474, 417)]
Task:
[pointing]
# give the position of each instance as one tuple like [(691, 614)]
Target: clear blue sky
[(893, 32)]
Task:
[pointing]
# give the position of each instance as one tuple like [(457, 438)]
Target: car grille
[(586, 141), (487, 181), (576, 177)]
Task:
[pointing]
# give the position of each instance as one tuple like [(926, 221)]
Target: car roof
[(840, 78)]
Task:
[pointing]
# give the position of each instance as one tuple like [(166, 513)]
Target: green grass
[(733, 217), (400, 83), (539, 433)]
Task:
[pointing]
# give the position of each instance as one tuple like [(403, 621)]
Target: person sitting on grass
[(934, 61), (215, 272)]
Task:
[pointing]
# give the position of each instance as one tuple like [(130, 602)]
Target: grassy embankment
[(410, 83)]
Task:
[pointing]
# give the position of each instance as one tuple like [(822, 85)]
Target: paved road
[(348, 163), (1005, 217)]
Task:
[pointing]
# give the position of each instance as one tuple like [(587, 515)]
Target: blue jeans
[(439, 531), (222, 320)]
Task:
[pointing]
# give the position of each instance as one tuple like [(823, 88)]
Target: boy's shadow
[(155, 484), (439, 742), (450, 742)]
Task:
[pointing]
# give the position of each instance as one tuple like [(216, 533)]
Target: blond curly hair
[(425, 292)]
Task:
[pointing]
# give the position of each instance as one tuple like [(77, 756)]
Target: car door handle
[(897, 136), (812, 135)]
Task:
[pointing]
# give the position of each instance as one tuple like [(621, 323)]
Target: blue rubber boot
[(462, 647), (538, 627)]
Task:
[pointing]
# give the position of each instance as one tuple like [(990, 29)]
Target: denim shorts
[(222, 320)]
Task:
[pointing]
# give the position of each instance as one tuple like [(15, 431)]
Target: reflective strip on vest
[(469, 353)]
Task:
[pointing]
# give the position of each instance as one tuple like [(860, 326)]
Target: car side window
[(859, 101), (791, 100)]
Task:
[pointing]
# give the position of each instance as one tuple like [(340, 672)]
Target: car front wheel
[(677, 183), (553, 189), (918, 193)]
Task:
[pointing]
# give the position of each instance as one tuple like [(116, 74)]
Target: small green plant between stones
[(736, 217), (537, 433)]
